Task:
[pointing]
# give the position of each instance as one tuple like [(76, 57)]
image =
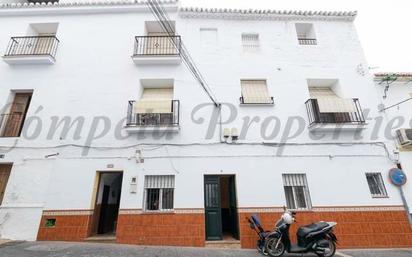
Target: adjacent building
[(105, 132)]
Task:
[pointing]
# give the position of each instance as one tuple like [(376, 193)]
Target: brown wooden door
[(15, 119), (5, 170)]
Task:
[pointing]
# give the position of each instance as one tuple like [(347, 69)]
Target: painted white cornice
[(264, 14), (69, 7)]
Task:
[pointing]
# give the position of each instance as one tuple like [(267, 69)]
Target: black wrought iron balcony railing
[(157, 45), (307, 41), (269, 101), (32, 45), (354, 116), (153, 119)]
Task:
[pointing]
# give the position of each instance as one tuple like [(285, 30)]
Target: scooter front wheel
[(274, 247)]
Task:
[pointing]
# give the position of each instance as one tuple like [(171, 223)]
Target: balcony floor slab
[(29, 59), (156, 59), (332, 127), (150, 129)]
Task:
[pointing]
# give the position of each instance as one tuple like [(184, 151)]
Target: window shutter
[(297, 191), (155, 100), (255, 92), (328, 101), (294, 179), (167, 181)]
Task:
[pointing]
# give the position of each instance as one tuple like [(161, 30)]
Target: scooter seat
[(306, 230)]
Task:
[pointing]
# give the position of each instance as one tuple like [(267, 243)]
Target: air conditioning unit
[(404, 137)]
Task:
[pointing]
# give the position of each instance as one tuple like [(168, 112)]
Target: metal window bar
[(250, 41), (159, 192), (32, 45), (307, 41), (157, 45), (376, 185), (296, 191), (153, 119), (315, 116)]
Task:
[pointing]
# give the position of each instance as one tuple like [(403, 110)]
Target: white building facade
[(105, 131)]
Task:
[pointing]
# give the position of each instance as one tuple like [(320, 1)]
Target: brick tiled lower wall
[(178, 229), (67, 228), (355, 229)]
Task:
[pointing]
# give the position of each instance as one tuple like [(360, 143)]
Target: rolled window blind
[(255, 92), (328, 101), (155, 100)]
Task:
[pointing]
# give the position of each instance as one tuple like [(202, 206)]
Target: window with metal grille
[(159, 192), (250, 41), (296, 191), (376, 184)]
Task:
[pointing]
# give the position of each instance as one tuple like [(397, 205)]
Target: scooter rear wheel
[(330, 251), (274, 248)]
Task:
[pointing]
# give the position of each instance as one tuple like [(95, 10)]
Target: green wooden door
[(233, 207), (213, 214)]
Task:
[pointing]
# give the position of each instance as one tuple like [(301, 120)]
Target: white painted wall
[(94, 76), (399, 116)]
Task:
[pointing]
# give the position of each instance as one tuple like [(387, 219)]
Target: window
[(296, 191), (376, 185), (159, 192), (306, 34), (155, 105), (5, 170), (50, 223), (11, 123), (255, 92), (157, 41), (208, 37), (250, 41)]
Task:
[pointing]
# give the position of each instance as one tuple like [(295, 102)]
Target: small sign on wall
[(110, 166), (133, 185)]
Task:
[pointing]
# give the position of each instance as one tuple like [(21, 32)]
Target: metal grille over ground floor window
[(296, 191), (159, 192), (376, 184)]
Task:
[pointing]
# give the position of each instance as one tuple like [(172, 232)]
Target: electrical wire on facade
[(267, 144), (160, 14)]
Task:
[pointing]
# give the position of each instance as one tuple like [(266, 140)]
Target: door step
[(101, 239), (223, 244)]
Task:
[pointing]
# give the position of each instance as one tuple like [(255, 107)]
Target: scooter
[(317, 238), (256, 225)]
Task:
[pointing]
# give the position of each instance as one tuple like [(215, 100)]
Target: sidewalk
[(3, 241), (72, 249)]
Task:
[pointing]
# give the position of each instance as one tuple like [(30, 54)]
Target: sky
[(384, 26)]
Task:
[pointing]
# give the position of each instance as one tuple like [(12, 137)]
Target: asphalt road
[(64, 249)]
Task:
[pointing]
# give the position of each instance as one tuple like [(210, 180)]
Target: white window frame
[(294, 181), (380, 185), (160, 187)]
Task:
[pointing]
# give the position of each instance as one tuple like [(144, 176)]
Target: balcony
[(157, 50), (32, 50), (150, 122), (307, 41), (346, 116)]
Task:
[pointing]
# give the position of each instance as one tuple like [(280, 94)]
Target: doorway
[(221, 216), (107, 203)]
